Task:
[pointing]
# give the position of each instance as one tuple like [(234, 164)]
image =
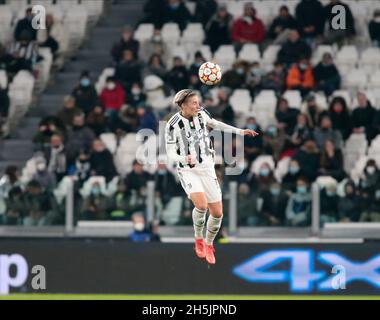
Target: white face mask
[(111, 85), (136, 91), (41, 166), (377, 19), (371, 170), (139, 226)]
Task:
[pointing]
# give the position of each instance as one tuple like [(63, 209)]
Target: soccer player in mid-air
[(188, 144)]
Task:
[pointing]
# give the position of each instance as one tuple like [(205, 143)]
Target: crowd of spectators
[(70, 143)]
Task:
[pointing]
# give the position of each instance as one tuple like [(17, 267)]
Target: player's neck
[(187, 116)]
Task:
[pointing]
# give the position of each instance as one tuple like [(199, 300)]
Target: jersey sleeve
[(171, 144), (218, 125)]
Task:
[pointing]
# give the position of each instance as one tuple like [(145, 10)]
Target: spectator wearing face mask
[(329, 201), (155, 67), (45, 178), (85, 93), (48, 127), (141, 232), (340, 117), (95, 205), (332, 161), (370, 178), (113, 97), (312, 110), (326, 132), (298, 210), (253, 145), (155, 46), (218, 29), (126, 42), (263, 178), (254, 78), (82, 169), (291, 177), (55, 157), (248, 28), (101, 161), (308, 157), (274, 205), (374, 28), (136, 98), (349, 206), (300, 77), (281, 25), (301, 132), (236, 77), (274, 141), (286, 116)]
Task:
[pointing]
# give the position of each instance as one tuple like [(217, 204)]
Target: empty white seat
[(357, 78), (144, 32), (86, 189), (294, 98), (370, 56), (374, 80), (241, 101), (249, 52), (347, 55), (225, 56), (170, 33), (260, 160), (3, 79), (270, 54), (282, 168), (109, 140)]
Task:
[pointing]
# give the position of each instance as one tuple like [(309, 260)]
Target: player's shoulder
[(173, 120), (203, 111)]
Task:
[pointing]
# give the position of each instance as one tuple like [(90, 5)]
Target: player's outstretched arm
[(227, 128)]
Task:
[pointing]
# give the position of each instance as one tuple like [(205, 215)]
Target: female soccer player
[(188, 143)]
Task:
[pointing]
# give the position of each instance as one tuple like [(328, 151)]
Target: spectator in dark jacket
[(310, 17), (286, 116), (25, 24), (79, 138), (178, 76), (332, 161), (309, 159), (85, 93), (326, 75), (281, 25), (218, 29), (95, 205), (126, 42), (97, 120), (326, 132), (69, 110), (148, 119), (374, 28), (275, 79), (248, 28), (137, 179), (204, 10), (363, 115), (136, 97), (340, 117), (329, 204), (301, 132), (165, 184), (263, 179), (334, 35), (253, 145), (101, 161), (274, 205), (349, 206), (293, 49), (370, 178), (289, 181), (247, 206), (177, 12), (128, 71), (4, 106)]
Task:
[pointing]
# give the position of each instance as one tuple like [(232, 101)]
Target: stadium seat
[(241, 101), (87, 185), (144, 32), (109, 140), (348, 55), (270, 55), (3, 79), (250, 53), (193, 34), (294, 98), (324, 181), (170, 33), (345, 94), (357, 78), (282, 168), (374, 80), (225, 56), (5, 23)]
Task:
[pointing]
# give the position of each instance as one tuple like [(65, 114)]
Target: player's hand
[(249, 132), (190, 159)]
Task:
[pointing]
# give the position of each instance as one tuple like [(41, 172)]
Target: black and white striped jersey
[(190, 136)]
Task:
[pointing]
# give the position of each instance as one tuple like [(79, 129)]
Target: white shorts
[(201, 180)]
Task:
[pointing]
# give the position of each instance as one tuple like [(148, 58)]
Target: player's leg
[(199, 218), (214, 221)]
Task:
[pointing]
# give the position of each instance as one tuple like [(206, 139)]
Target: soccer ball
[(210, 73)]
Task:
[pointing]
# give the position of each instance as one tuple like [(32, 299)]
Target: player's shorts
[(201, 180)]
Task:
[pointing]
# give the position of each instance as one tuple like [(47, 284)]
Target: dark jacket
[(374, 30), (24, 24), (4, 103), (285, 23), (310, 13), (119, 47), (292, 51), (103, 165), (86, 98)]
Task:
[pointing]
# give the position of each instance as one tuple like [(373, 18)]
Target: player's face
[(191, 107)]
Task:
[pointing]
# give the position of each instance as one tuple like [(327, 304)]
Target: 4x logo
[(302, 276)]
